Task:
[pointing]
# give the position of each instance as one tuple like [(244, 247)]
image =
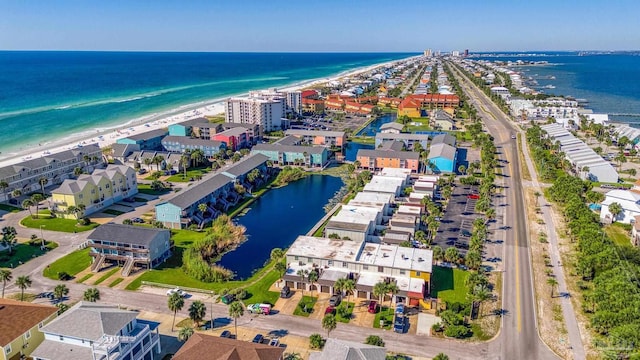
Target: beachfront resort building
[(20, 324), (183, 144), (235, 136), (91, 193), (128, 246), (264, 108), (288, 151), (416, 105), (149, 140), (217, 192), (201, 346), (313, 137), (99, 331), (366, 263), (55, 168), (629, 201)]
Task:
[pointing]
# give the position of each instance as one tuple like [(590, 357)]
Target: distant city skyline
[(328, 26)]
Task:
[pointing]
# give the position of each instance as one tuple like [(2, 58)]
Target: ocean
[(610, 82), (48, 95)]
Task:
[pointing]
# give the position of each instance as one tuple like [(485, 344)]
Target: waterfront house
[(355, 223), (374, 160), (94, 192), (200, 346), (138, 160), (366, 263), (280, 153), (239, 172), (20, 324), (149, 140), (391, 128), (408, 139), (129, 246), (313, 137), (336, 349), (183, 144), (55, 168), (99, 331)]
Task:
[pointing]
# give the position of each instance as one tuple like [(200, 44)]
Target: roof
[(90, 321), (290, 148), (325, 248), (444, 139), (62, 156), (124, 150), (185, 140), (57, 350), (401, 136), (234, 131), (393, 145), (147, 135), (196, 121), (300, 132), (129, 234), (402, 155), (392, 125), (288, 140), (209, 347), (442, 150), (335, 349), (188, 197), (17, 317), (246, 165)]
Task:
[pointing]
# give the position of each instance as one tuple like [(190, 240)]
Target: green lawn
[(72, 264), (363, 140), (84, 278), (309, 302), (171, 273), (116, 282), (9, 208), (349, 306), (618, 234), (146, 189), (113, 212), (385, 314), (107, 275), (22, 253), (191, 173), (448, 284), (421, 124), (55, 224)]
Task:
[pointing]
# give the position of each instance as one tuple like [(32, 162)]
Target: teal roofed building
[(288, 151), (150, 140)]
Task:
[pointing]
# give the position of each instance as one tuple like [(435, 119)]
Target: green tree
[(281, 268), (348, 288), (9, 240), (43, 181), (23, 282), (441, 356), (276, 254), (438, 253), (553, 282), (374, 340), (197, 312), (235, 311), (316, 341), (303, 275), (313, 277), (452, 255), (197, 156), (615, 209), (3, 187), (16, 193), (473, 259), (175, 304), (27, 204), (391, 289), (329, 323), (91, 295), (37, 198), (5, 275), (185, 333), (537, 194), (60, 291), (202, 208), (479, 294), (379, 290)]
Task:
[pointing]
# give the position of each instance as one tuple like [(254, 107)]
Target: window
[(417, 273), (27, 335), (40, 325), (7, 349), (402, 272), (365, 267), (380, 268), (295, 257), (330, 262), (309, 260)]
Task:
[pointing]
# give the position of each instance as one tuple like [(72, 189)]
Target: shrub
[(437, 327), (374, 340), (457, 331), (344, 312), (316, 341), (63, 276), (84, 221)]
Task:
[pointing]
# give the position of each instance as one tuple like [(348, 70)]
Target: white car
[(176, 291)]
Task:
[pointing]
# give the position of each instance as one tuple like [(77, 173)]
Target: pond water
[(277, 218), (351, 150), (374, 126)]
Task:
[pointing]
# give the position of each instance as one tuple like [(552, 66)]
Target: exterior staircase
[(128, 266), (97, 263)]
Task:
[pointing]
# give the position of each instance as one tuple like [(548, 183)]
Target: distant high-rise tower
[(455, 53), (466, 52), (428, 53)]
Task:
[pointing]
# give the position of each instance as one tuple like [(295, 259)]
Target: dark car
[(137, 220), (335, 300), (330, 310), (373, 307), (398, 323), (228, 299), (257, 339), (226, 334), (285, 292)]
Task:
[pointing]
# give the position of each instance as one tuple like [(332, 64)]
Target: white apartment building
[(265, 112)]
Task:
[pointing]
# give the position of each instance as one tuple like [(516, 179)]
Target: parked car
[(258, 339), (335, 300), (227, 299), (274, 342), (142, 171), (373, 307), (330, 310), (398, 323), (400, 309), (285, 292), (137, 220), (226, 334), (473, 196), (513, 136), (259, 309), (176, 291)]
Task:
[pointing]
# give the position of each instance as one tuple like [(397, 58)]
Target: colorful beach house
[(91, 193), (20, 324), (279, 153), (374, 160), (442, 158), (235, 138), (149, 140), (183, 144), (313, 137)]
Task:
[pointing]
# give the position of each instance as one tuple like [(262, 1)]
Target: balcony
[(112, 347)]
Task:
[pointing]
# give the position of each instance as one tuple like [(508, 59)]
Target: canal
[(374, 127), (277, 218)]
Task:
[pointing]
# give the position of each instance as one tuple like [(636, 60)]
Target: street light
[(42, 236)]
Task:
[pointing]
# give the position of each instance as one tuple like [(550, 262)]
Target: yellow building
[(20, 324), (91, 193)]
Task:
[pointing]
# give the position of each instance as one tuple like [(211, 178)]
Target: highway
[(518, 337)]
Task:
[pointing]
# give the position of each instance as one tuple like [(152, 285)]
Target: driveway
[(457, 221)]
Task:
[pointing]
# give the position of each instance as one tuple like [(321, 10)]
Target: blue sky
[(329, 25)]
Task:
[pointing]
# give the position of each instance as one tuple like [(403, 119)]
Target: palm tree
[(9, 237), (276, 254), (197, 312), (537, 194), (148, 161), (3, 187), (72, 210), (43, 181), (235, 311), (91, 295), (553, 282), (379, 290), (197, 156), (175, 304), (292, 356), (312, 277), (441, 356), (185, 161), (203, 208), (60, 291), (23, 282), (36, 198), (615, 209), (391, 289), (27, 204), (348, 288), (158, 160), (481, 293), (77, 171), (462, 169), (438, 253), (16, 193), (81, 208), (303, 274), (338, 286), (329, 323), (451, 255), (185, 333), (5, 275)]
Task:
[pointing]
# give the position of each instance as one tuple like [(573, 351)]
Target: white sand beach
[(107, 136)]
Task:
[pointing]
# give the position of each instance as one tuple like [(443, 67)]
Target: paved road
[(518, 337)]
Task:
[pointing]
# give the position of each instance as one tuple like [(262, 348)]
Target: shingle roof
[(56, 350), (335, 349), (147, 135), (78, 153), (191, 141), (128, 234), (216, 348), (188, 197), (444, 139), (124, 150), (442, 150), (392, 145), (17, 317), (392, 125), (90, 321), (246, 165)]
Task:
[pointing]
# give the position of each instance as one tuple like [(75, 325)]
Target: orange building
[(413, 104), (312, 105), (375, 160)]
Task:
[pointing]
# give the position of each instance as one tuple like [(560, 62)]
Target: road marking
[(515, 250)]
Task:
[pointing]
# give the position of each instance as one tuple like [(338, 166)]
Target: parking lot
[(457, 221), (332, 121)]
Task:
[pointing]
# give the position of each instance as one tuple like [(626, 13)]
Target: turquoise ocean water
[(45, 96)]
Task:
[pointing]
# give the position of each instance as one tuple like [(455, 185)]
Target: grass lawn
[(234, 211), (9, 208), (368, 140), (22, 253), (385, 314), (349, 306), (309, 302), (146, 189), (116, 282), (418, 124), (171, 273), (113, 212), (618, 234), (84, 278), (72, 264), (191, 173), (107, 275), (448, 284), (55, 224), (28, 297)]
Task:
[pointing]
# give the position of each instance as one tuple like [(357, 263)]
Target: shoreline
[(107, 135)]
